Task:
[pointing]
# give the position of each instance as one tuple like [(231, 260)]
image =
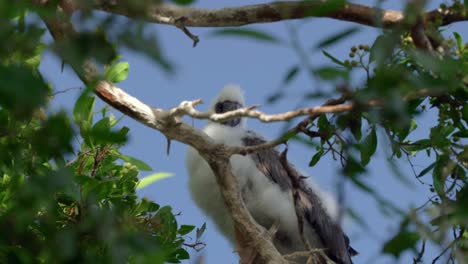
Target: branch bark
[(155, 12), (187, 108)]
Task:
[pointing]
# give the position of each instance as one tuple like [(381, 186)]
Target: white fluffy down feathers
[(265, 200)]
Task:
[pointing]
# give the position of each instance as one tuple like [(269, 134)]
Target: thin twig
[(179, 23), (418, 258)]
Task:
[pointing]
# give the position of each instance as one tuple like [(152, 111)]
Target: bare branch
[(265, 13), (187, 108)]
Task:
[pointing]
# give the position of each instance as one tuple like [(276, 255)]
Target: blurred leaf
[(146, 206), (330, 73), (54, 137), (439, 136), (316, 157), (353, 168), (152, 178), (368, 147), (355, 124), (117, 73), (323, 124), (200, 231), (275, 97), (426, 170), (185, 229), (83, 110), (21, 90), (34, 60), (446, 67), (135, 38), (291, 74), (439, 174), (77, 48), (357, 218), (246, 33), (459, 40), (417, 145), (400, 242), (180, 254), (335, 60), (337, 37), (141, 165), (382, 48)]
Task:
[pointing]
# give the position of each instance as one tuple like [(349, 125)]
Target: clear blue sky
[(259, 68)]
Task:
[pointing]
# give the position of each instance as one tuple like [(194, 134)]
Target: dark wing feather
[(308, 204), (273, 170)]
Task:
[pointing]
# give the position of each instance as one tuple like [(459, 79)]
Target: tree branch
[(155, 12), (187, 108)]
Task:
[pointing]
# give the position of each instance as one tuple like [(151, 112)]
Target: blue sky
[(258, 67)]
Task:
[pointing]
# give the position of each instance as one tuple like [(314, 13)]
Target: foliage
[(81, 199), (405, 82), (68, 196)]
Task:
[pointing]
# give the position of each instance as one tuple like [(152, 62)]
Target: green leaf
[(293, 71), (180, 254), (22, 90), (247, 33), (382, 48), (200, 231), (83, 110), (35, 60), (400, 242), (54, 137), (331, 73), (337, 37), (168, 221), (145, 206), (439, 174), (459, 40), (353, 168), (355, 124), (141, 165), (316, 157), (152, 178), (78, 47), (335, 60), (418, 145), (101, 133), (185, 229), (323, 123), (426, 170), (139, 40), (368, 147), (118, 72)]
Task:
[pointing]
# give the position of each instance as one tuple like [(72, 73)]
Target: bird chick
[(266, 189)]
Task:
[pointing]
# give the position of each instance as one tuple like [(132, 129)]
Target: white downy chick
[(266, 189)]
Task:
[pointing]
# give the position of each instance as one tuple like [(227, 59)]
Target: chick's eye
[(219, 108)]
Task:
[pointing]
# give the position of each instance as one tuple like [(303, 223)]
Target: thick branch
[(265, 13)]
